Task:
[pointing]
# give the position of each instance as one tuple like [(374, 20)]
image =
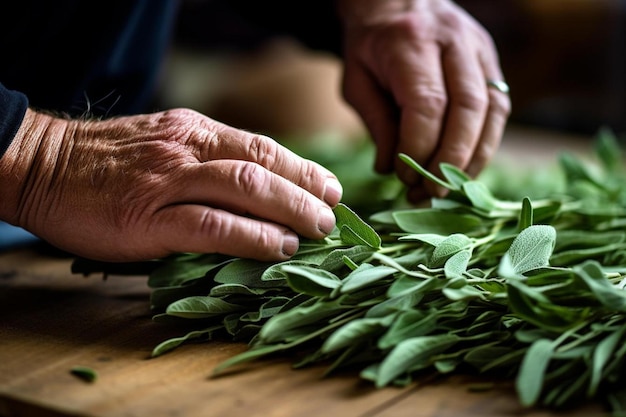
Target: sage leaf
[(451, 245), (591, 273), (352, 332), (436, 221), (456, 265), (529, 381), (454, 175), (531, 249), (310, 280), (427, 174), (410, 352), (526, 215), (201, 307), (174, 342), (351, 225), (365, 275)]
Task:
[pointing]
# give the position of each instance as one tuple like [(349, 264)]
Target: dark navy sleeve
[(13, 106)]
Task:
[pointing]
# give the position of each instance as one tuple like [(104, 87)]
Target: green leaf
[(480, 196), (365, 275), (172, 343), (355, 331), (411, 352), (526, 215), (310, 280), (181, 269), (531, 249), (529, 381), (407, 324), (436, 221), (246, 272), (201, 307), (454, 175), (425, 173), (351, 226), (292, 323), (454, 243), (334, 261), (456, 265), (602, 354), (593, 276)]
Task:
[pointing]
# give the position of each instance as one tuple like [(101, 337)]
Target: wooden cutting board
[(52, 320)]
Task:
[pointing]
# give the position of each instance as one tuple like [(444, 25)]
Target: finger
[(467, 108), (493, 130), (497, 114), (201, 229), (250, 189), (377, 112), (419, 89), (220, 141)]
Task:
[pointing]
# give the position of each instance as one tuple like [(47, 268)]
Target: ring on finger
[(499, 85)]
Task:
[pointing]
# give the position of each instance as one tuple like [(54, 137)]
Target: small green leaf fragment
[(85, 373)]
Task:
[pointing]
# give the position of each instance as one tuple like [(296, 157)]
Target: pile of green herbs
[(530, 289)]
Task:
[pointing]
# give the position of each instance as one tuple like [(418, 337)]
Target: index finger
[(225, 142)]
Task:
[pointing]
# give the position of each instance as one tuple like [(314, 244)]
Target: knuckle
[(263, 150), (216, 226), (265, 237), (470, 99), (252, 178), (308, 174), (430, 102), (302, 207)]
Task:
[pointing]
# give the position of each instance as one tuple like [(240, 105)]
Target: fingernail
[(333, 192), (326, 220), (290, 243)]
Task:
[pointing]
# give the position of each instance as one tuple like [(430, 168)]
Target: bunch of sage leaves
[(530, 289)]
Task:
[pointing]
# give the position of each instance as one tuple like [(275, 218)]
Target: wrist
[(28, 165)]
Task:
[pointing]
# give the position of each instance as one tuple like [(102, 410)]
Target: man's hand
[(416, 71), (142, 187)]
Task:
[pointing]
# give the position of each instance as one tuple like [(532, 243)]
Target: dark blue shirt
[(81, 58)]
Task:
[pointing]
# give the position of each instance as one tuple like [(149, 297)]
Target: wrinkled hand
[(416, 72), (142, 187)]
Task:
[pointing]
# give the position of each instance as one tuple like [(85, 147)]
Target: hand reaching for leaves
[(142, 187), (416, 71)]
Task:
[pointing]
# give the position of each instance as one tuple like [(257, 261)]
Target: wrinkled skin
[(142, 187), (416, 71)]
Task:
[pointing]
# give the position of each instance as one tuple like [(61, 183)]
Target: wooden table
[(52, 320)]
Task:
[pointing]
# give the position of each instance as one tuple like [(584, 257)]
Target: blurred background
[(564, 60)]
